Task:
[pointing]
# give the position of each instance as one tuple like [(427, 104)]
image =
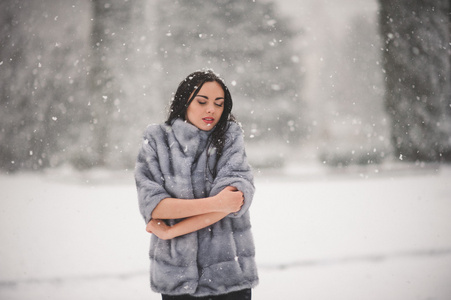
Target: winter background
[(346, 107)]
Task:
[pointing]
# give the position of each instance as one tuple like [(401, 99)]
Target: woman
[(194, 189)]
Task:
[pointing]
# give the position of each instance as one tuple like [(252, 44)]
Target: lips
[(208, 120)]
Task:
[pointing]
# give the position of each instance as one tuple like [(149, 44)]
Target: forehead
[(213, 88)]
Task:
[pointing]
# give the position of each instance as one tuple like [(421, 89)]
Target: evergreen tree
[(65, 99), (246, 43), (38, 85), (417, 67), (117, 80)]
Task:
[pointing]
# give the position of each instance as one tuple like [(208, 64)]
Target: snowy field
[(379, 233)]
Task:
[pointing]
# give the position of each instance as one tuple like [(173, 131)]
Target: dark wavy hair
[(191, 86)]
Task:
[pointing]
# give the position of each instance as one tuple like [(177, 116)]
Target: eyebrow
[(219, 98)]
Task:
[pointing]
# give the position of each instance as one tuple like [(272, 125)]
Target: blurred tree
[(248, 44), (78, 78), (117, 83), (38, 85), (65, 99), (417, 67)]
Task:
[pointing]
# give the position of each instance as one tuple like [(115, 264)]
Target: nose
[(211, 108)]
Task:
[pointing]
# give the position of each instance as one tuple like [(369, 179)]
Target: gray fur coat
[(173, 163)]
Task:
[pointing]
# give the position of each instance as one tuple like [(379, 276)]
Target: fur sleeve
[(234, 170), (148, 177)]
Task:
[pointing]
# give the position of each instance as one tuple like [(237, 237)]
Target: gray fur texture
[(219, 259)]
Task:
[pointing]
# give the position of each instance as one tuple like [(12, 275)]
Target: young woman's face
[(206, 108)]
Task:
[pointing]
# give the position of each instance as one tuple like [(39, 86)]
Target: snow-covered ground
[(380, 233)]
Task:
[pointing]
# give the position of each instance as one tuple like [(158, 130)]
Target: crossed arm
[(199, 213)]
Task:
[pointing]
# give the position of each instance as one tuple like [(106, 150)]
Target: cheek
[(191, 112), (187, 114)]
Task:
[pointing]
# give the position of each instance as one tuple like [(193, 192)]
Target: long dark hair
[(192, 85)]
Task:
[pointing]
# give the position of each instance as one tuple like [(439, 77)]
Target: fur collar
[(189, 136)]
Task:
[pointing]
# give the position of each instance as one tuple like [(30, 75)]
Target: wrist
[(170, 233), (217, 204)]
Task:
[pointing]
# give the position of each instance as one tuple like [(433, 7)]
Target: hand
[(230, 199), (159, 228)]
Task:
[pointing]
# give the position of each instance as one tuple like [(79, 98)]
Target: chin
[(206, 128)]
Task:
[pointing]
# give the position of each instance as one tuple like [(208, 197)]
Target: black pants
[(239, 295)]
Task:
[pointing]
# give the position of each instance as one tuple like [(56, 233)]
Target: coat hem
[(251, 285)]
